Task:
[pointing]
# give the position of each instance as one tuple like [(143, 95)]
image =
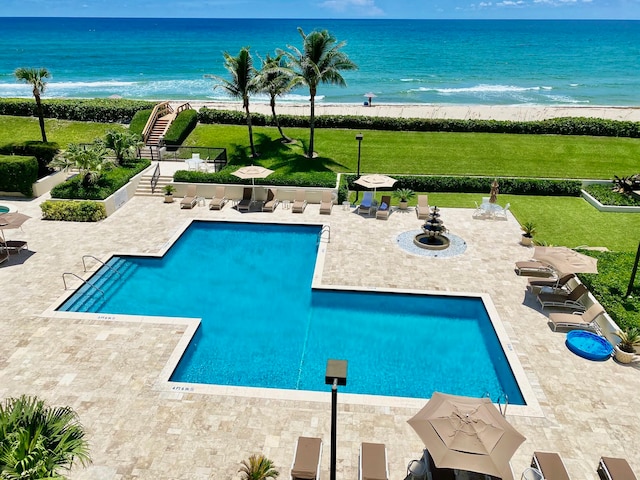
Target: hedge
[(108, 183), (554, 126), (299, 179), (139, 121), (44, 153), (70, 211), (103, 110), (514, 186), (18, 174), (606, 196), (181, 127)]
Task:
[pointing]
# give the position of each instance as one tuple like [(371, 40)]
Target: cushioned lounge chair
[(306, 459), (615, 469), (189, 200), (533, 268), (326, 203), (245, 204), (570, 300), (373, 462), (299, 201), (576, 320), (422, 208), (271, 202), (550, 465), (219, 199), (539, 283), (14, 246), (385, 208), (367, 203)]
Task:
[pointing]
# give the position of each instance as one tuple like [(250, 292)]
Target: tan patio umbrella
[(493, 198), (12, 220), (565, 260), (376, 181), (467, 434), (252, 172)]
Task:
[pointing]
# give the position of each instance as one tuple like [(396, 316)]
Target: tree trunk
[(40, 115), (312, 121), (276, 121), (248, 113)]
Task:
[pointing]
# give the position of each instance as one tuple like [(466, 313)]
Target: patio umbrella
[(370, 95), (566, 260), (467, 434), (494, 192), (252, 172), (12, 220), (376, 181)]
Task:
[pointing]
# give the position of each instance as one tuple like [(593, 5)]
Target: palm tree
[(242, 83), (36, 77), (274, 79), (91, 161), (258, 467), (124, 144), (36, 441), (321, 61)]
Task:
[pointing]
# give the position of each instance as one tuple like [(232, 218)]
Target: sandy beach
[(475, 112)]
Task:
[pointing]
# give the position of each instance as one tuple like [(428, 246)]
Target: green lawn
[(20, 129), (546, 156)]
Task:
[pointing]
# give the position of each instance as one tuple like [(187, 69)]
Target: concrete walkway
[(108, 371)]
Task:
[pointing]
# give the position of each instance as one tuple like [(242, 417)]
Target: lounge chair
[(615, 469), (539, 283), (577, 320), (247, 197), (422, 208), (534, 269), (4, 256), (299, 201), (550, 465), (367, 203), (218, 200), (373, 462), (306, 459), (569, 300), (385, 208), (14, 246), (272, 202), (189, 200), (326, 202)]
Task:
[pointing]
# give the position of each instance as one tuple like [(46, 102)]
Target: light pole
[(335, 375), (359, 138)]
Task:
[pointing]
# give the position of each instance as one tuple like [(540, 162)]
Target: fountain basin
[(430, 242)]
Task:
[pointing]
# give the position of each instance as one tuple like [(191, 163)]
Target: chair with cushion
[(534, 268), (422, 208), (326, 203), (189, 200), (247, 198), (3, 257), (577, 320), (366, 206), (306, 459), (569, 300), (550, 465), (271, 202), (373, 462), (537, 284), (299, 201), (15, 246), (384, 209), (219, 199), (610, 468)]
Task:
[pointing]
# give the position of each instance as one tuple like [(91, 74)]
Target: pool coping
[(162, 384)]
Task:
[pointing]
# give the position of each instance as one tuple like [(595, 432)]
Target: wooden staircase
[(158, 130), (144, 187)]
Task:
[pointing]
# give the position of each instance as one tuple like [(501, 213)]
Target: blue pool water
[(264, 326)]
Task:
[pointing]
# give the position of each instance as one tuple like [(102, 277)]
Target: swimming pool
[(264, 326)]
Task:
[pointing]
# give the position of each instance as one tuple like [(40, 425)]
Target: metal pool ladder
[(99, 261), (81, 279)]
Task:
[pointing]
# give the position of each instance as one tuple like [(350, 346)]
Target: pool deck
[(109, 371)]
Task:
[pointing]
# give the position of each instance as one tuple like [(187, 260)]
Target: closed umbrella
[(467, 434), (566, 260), (376, 181), (493, 194)]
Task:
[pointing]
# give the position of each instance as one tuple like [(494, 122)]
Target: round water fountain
[(433, 230)]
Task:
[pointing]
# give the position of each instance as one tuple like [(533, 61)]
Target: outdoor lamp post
[(335, 375), (359, 138)]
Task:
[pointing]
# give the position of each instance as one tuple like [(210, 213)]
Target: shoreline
[(435, 111)]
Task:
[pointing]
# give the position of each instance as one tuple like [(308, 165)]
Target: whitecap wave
[(484, 88)]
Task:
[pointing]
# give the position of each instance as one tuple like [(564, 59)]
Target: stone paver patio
[(138, 428)]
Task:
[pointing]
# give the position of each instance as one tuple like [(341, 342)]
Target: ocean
[(448, 62)]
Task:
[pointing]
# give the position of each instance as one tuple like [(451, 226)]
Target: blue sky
[(479, 9)]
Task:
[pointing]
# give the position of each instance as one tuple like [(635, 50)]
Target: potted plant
[(168, 193), (404, 195), (528, 231), (625, 350)]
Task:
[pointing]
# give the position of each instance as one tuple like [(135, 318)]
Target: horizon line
[(332, 18)]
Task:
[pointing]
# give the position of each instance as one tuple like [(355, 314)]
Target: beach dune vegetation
[(242, 84), (320, 61), (36, 77)]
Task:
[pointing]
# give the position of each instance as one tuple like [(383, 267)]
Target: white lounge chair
[(422, 208), (272, 201)]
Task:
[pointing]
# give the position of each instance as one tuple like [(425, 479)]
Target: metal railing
[(100, 262), (214, 155), (154, 178), (81, 279)]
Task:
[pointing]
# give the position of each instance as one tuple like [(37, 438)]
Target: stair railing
[(100, 262), (81, 279), (160, 110), (154, 178), (184, 106)]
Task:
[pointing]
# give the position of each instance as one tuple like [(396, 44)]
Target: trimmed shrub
[(513, 186), (18, 174), (108, 183), (44, 153), (606, 196), (70, 211), (103, 110), (181, 127), (300, 179), (554, 126), (139, 121)]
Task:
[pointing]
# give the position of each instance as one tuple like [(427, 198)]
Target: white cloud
[(363, 7), (510, 3)]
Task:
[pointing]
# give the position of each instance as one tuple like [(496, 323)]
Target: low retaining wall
[(234, 191)]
